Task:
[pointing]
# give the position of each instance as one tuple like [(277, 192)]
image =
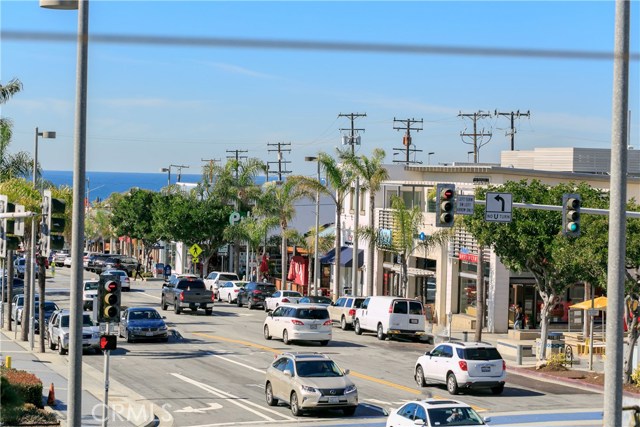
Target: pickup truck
[(188, 292)]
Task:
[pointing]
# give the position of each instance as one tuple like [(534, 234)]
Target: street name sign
[(498, 207), (464, 204)]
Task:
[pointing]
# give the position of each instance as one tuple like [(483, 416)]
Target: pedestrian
[(137, 273), (519, 318)]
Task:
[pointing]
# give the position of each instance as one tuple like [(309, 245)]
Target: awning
[(411, 271), (599, 303), (346, 257)]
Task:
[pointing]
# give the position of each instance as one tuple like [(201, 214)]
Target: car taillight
[(463, 365), (181, 296), (236, 290), (391, 308), (213, 297), (256, 292), (285, 300), (352, 312), (297, 322), (327, 323), (504, 365)]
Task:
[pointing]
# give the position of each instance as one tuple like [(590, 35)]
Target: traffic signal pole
[(105, 404)]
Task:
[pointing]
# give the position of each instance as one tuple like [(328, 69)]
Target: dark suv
[(95, 264), (121, 262), (254, 293)]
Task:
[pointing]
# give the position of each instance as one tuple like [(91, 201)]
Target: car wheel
[(381, 335), (249, 305), (163, 303), (324, 342), (176, 308), (349, 411), (229, 299), (52, 345), (129, 339), (343, 324), (266, 333), (285, 337), (420, 377), (165, 339), (293, 403), (208, 311), (268, 394), (356, 328), (265, 308), (120, 333), (61, 350), (497, 389), (452, 384), (238, 302)]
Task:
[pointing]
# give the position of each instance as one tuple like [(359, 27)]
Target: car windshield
[(483, 353), (191, 285), (144, 315), (86, 321), (48, 306), (318, 368), (227, 277), (266, 288), (310, 313), (454, 417), (91, 286)]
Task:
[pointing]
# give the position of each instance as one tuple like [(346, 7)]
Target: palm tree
[(11, 165), (278, 201), (339, 180), (373, 174)]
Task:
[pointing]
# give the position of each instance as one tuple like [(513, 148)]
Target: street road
[(211, 372)]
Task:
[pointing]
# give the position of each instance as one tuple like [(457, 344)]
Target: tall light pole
[(429, 157), (74, 390), (316, 256), (469, 153), (168, 171), (31, 315)]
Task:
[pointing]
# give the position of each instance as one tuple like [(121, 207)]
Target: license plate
[(485, 368), (149, 334), (413, 320), (313, 326), (334, 400)]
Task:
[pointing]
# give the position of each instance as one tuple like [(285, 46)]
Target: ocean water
[(101, 185)]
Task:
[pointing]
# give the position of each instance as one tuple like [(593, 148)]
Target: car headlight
[(308, 389), (163, 328), (350, 389)]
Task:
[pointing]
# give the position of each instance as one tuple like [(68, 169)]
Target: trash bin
[(465, 336), (555, 344)]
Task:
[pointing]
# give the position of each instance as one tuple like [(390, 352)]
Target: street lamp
[(74, 389), (429, 157), (168, 170), (32, 277), (316, 259), (468, 154)]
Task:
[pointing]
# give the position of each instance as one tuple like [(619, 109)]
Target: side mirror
[(427, 353), (419, 422), (347, 371), (287, 373), (164, 317), (487, 419)]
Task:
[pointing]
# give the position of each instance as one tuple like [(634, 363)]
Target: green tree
[(533, 240), (373, 174), (253, 230), (339, 181), (11, 165)]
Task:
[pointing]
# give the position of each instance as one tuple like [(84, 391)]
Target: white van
[(390, 316)]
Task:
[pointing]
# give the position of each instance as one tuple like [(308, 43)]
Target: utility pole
[(280, 160), (514, 115), (179, 167), (234, 248), (237, 157), (406, 139), (212, 163), (477, 137), (356, 210)]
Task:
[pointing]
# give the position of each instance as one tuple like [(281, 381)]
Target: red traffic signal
[(108, 342), (445, 207)]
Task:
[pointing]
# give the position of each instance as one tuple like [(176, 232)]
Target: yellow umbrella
[(599, 303)]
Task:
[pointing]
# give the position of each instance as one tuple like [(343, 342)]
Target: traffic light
[(445, 205), (8, 240), (108, 342), (571, 214), (109, 295), (53, 209)]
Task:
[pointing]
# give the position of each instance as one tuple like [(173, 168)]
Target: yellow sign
[(195, 250)]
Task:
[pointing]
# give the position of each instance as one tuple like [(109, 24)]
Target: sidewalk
[(127, 408)]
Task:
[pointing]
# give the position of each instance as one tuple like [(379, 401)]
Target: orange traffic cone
[(51, 399)]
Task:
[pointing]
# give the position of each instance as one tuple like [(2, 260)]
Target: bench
[(508, 347)]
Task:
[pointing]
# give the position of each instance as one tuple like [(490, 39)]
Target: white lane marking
[(190, 409), (224, 394), (150, 296), (262, 371)]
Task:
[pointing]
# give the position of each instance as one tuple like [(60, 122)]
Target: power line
[(280, 160), (237, 157), (353, 139), (477, 137), (514, 115), (406, 140)]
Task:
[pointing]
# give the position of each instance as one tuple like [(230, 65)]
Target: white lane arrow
[(190, 409)]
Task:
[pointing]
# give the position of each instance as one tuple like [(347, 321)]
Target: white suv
[(462, 365), (217, 278), (296, 322)]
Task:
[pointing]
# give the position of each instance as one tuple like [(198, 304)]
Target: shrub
[(556, 360), (10, 402), (25, 384), (635, 377)]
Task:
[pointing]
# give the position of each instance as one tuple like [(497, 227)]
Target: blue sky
[(150, 106)]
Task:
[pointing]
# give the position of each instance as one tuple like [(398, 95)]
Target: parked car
[(298, 323), (125, 282), (142, 323), (281, 297), (343, 311), (89, 293), (58, 332), (228, 291), (435, 412), (188, 292), (315, 299), (17, 305), (459, 365), (67, 261), (216, 278), (387, 315), (49, 308), (254, 293), (309, 381), (20, 265), (60, 257), (17, 286)]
